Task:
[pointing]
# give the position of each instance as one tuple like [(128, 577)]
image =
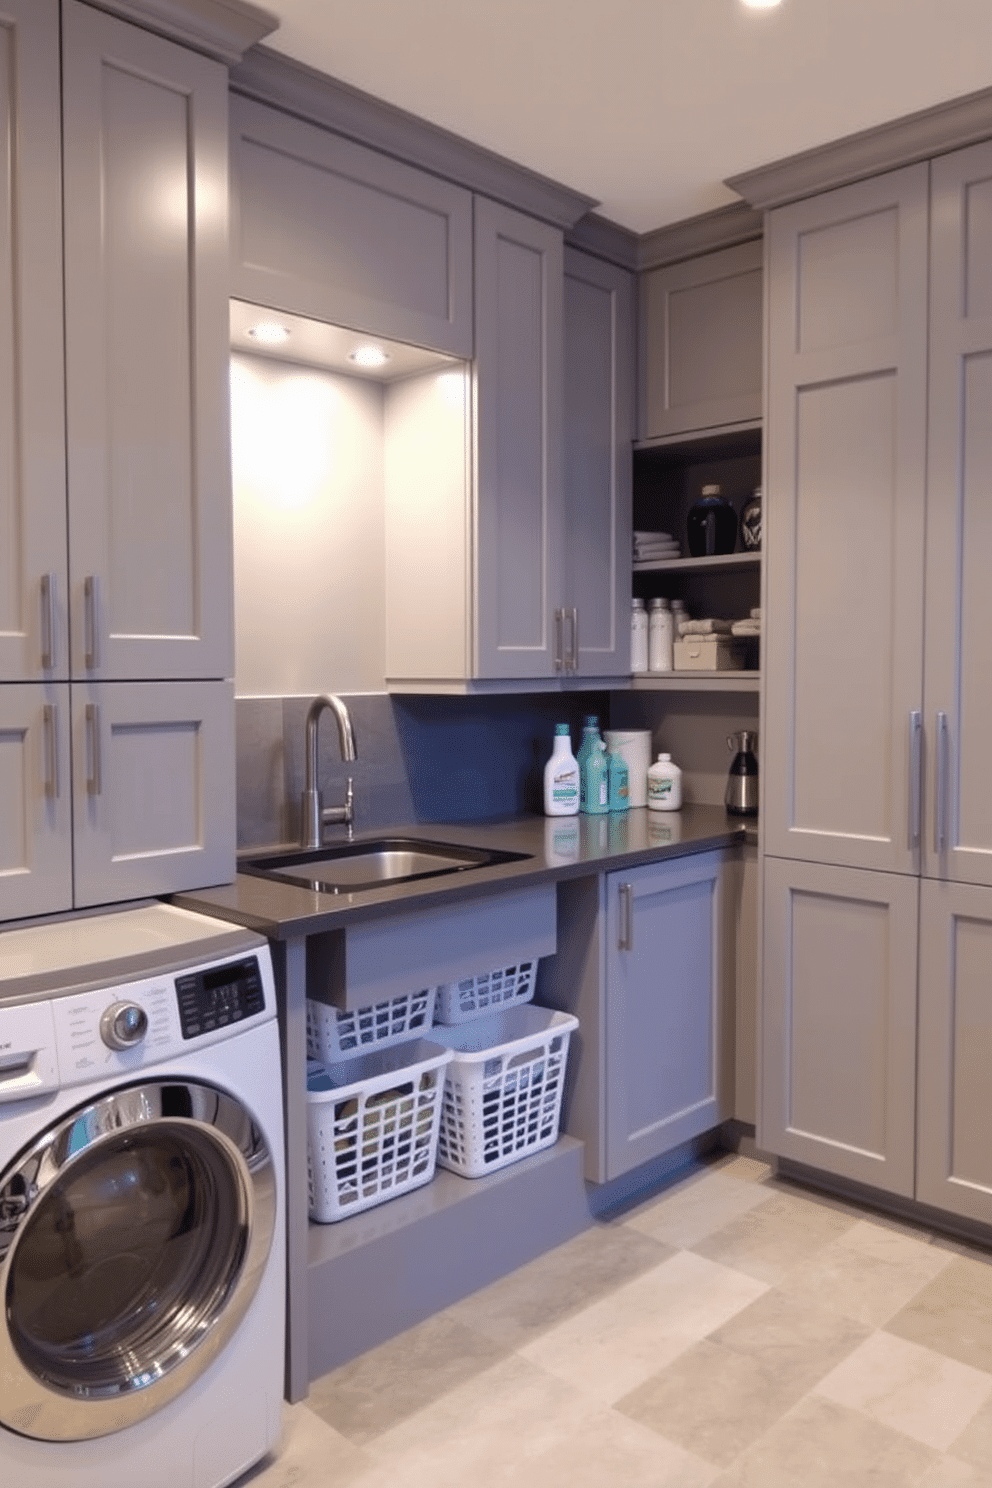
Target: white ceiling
[(647, 105)]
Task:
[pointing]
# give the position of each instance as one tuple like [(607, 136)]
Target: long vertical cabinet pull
[(915, 777), (625, 900), (47, 621), (940, 814), (573, 650), (559, 639), (94, 780), (91, 601), (48, 720)]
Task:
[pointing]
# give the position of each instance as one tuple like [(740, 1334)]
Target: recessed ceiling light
[(761, 4), (369, 356), (269, 333)]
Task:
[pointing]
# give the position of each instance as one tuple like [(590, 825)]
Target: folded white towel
[(644, 555), (704, 627), (746, 628), (652, 536)]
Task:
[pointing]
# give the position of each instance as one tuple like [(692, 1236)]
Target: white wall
[(309, 566)]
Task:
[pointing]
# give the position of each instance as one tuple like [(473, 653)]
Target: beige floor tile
[(518, 1308), (608, 1349), (914, 1390), (744, 1169), (712, 1401), (611, 1451), (794, 1338), (952, 1314), (693, 1209), (974, 1445), (311, 1454), (365, 1397), (822, 1445), (767, 1242), (867, 1274), (948, 1472)]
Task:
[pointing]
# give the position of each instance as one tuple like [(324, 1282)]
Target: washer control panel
[(219, 996)]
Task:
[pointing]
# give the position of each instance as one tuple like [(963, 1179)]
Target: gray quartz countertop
[(555, 848)]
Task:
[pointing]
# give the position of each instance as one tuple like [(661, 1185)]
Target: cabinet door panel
[(326, 228), (35, 814), (33, 627), (955, 1077), (146, 354), (665, 1075), (153, 788), (599, 371), (839, 1021), (959, 521), (518, 422), (701, 354), (842, 633)]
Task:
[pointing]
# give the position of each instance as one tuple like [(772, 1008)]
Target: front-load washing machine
[(142, 1231)]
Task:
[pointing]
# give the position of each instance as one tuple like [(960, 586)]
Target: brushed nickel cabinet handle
[(559, 628), (940, 814), (94, 781), (573, 655), (47, 621), (48, 720), (91, 604), (625, 940), (915, 781)]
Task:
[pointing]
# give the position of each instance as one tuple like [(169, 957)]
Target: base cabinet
[(954, 1157), (641, 962)]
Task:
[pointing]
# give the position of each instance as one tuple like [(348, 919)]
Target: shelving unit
[(669, 474)]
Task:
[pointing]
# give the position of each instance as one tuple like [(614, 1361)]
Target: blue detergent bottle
[(619, 781), (596, 778), (590, 736)]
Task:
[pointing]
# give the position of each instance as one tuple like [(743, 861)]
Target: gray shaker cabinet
[(641, 961), (518, 567), (845, 466), (35, 799), (147, 400), (954, 1165), (957, 836), (700, 354), (33, 566), (599, 413), (326, 228)]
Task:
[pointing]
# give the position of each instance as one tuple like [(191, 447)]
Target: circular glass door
[(133, 1235)]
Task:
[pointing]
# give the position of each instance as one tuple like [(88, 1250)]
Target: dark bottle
[(741, 795), (711, 526)]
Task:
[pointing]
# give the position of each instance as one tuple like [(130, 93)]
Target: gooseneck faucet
[(313, 814)]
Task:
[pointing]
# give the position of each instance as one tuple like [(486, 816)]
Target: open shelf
[(696, 682), (721, 563)]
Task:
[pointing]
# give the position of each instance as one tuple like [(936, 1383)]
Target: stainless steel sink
[(356, 866)]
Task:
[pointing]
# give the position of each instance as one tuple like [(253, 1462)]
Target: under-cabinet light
[(269, 333), (369, 356), (760, 4)]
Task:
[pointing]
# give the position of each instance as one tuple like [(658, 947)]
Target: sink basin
[(370, 865)]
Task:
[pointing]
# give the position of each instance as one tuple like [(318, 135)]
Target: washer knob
[(123, 1025)]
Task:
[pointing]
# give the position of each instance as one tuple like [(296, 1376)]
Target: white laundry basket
[(503, 1088), (507, 986), (337, 1033), (372, 1126)]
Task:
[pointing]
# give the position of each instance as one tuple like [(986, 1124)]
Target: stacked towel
[(652, 545), (704, 627), (749, 627)]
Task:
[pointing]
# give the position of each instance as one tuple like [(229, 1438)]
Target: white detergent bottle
[(561, 776), (664, 785)]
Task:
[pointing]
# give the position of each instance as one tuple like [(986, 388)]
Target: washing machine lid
[(134, 1233), (84, 951)]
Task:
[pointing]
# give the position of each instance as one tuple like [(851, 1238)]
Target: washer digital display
[(218, 997)]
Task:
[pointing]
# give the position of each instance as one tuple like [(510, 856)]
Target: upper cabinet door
[(701, 351), (33, 628), (599, 409), (518, 443), (326, 228), (958, 713), (146, 182), (845, 467)]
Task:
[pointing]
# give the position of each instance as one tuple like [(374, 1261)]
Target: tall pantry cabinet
[(877, 1024), (116, 632)]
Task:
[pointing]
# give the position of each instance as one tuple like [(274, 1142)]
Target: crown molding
[(269, 77), (914, 137), (223, 29), (604, 239), (723, 228)]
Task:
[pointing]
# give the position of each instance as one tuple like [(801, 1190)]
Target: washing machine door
[(133, 1235)]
